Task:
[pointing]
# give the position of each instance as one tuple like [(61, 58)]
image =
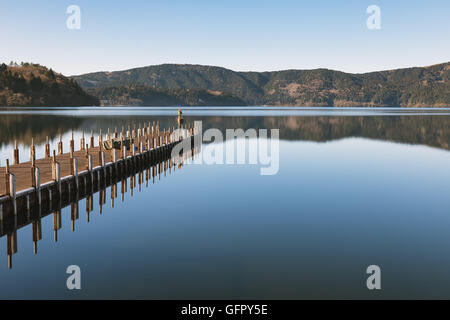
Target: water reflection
[(431, 130), (34, 214)]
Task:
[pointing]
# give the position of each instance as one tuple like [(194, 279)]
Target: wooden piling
[(82, 141), (15, 153), (72, 144), (92, 138), (60, 145), (47, 148)]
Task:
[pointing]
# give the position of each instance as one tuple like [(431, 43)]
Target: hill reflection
[(416, 129)]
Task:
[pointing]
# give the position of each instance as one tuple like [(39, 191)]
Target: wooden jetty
[(37, 188)]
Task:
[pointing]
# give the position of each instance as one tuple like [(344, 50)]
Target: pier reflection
[(33, 214)]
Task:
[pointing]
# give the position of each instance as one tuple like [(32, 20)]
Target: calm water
[(355, 187)]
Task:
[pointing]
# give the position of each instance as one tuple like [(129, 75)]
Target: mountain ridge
[(407, 87)]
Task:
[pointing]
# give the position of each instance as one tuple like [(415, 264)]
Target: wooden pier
[(35, 189), (58, 171)]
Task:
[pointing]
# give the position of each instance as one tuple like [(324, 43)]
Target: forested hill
[(140, 95), (35, 85), (411, 87)]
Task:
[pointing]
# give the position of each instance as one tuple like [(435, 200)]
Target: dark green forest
[(142, 95), (34, 85), (411, 87)]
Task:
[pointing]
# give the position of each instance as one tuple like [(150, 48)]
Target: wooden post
[(56, 172), (75, 172), (158, 138), (12, 191), (87, 156), (72, 144), (90, 168), (15, 153), (115, 133), (92, 138), (32, 151), (47, 148), (100, 146), (60, 145), (37, 186), (103, 164), (7, 177), (82, 141)]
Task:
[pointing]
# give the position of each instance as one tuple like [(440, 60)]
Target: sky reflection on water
[(339, 203)]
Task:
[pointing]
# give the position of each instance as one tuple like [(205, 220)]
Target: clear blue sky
[(237, 34)]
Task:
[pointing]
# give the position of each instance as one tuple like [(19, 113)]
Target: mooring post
[(75, 172), (47, 148), (37, 186), (7, 177), (56, 172), (114, 160), (124, 156), (82, 141), (86, 154), (92, 139), (100, 146), (103, 164), (90, 168), (72, 144), (15, 153), (60, 145), (12, 191)]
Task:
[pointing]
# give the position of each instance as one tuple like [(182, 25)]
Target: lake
[(354, 188)]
